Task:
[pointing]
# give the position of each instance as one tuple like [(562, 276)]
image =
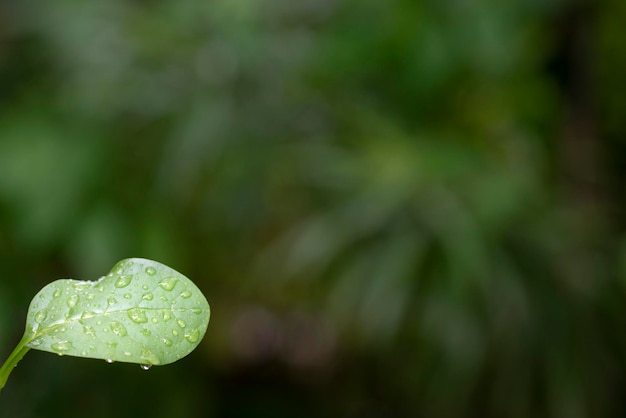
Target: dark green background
[(400, 208)]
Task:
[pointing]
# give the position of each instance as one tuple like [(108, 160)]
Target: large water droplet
[(72, 301), (81, 286), (181, 323), (166, 315), (185, 294), (168, 283), (137, 315), (167, 342), (123, 281), (118, 329), (150, 271), (88, 315), (57, 293), (145, 366), (41, 316), (147, 296), (196, 311), (61, 346), (192, 335)]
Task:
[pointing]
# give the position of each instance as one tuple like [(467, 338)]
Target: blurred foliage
[(401, 208)]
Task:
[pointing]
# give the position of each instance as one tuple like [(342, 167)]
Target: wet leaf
[(141, 312)]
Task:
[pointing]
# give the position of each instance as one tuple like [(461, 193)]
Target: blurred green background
[(400, 208)]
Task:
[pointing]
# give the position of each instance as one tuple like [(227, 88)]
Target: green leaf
[(141, 312)]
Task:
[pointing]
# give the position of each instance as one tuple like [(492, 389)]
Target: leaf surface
[(141, 312)]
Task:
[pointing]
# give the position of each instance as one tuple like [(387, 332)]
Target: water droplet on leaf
[(150, 271), (72, 301), (137, 315), (166, 315), (168, 283), (186, 294), (192, 335), (118, 329), (41, 316), (87, 315), (123, 281), (145, 366), (61, 346)]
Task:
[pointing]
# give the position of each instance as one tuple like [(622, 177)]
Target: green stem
[(17, 354)]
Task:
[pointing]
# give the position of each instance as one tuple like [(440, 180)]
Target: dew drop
[(61, 346), (109, 361), (87, 315), (123, 281), (192, 335), (185, 294), (144, 287), (147, 296), (150, 271), (118, 329), (145, 366), (112, 345), (112, 301), (146, 332), (41, 316), (72, 301), (57, 293), (137, 315), (175, 333), (166, 315), (80, 286), (181, 323), (167, 342), (168, 283), (90, 296), (154, 320), (128, 353), (35, 343), (196, 311), (128, 296), (89, 330)]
